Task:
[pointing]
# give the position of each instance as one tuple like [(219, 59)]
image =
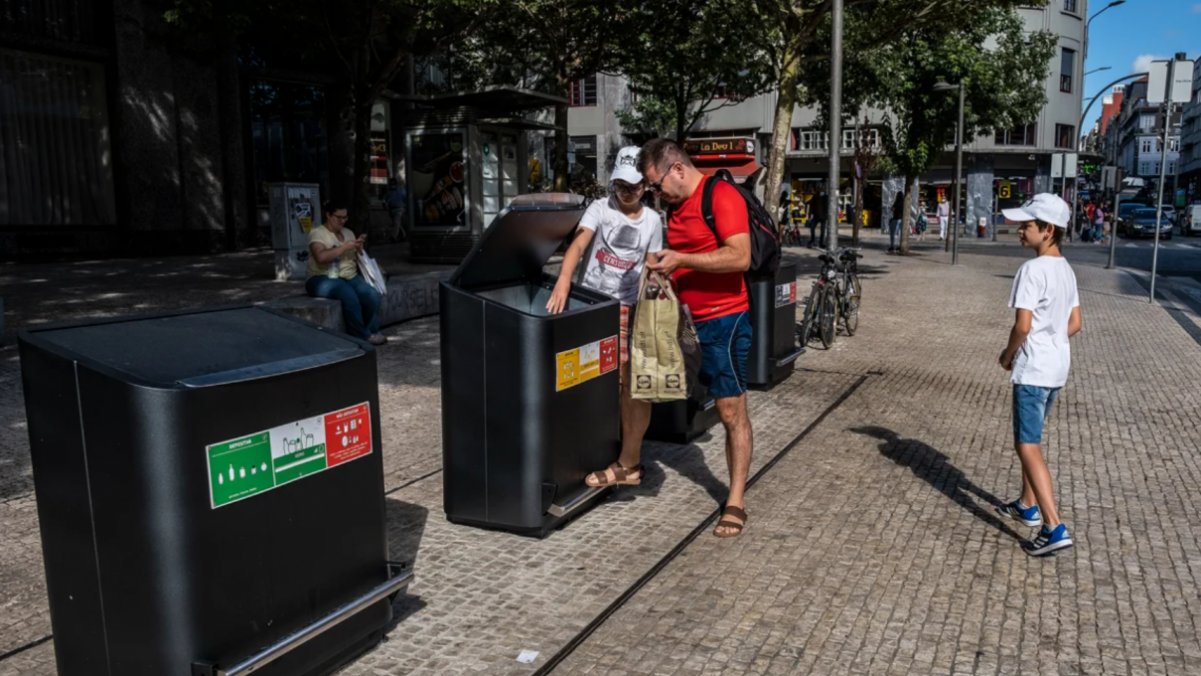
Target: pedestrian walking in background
[(944, 218), (1098, 217), (894, 223), (707, 265), (616, 238), (921, 223), (1038, 355), (396, 199), (818, 211)]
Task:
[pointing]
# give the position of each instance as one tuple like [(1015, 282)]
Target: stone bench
[(408, 297)]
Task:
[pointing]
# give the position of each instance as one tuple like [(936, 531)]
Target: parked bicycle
[(834, 297)]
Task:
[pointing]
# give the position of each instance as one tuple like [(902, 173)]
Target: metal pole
[(835, 125), (996, 207), (958, 179), (1113, 217), (1163, 168)]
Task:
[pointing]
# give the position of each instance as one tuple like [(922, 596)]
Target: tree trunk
[(559, 162), (341, 115), (781, 131), (907, 215)]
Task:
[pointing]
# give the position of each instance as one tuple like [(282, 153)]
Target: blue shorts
[(1031, 406), (725, 345)]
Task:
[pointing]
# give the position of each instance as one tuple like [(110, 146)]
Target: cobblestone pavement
[(872, 546)]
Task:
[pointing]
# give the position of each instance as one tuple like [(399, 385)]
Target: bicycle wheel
[(850, 303), (827, 319), (808, 321)]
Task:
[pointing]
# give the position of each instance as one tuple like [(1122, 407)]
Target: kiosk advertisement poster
[(439, 179)]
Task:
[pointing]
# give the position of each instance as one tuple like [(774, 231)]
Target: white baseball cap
[(626, 168), (1043, 207)]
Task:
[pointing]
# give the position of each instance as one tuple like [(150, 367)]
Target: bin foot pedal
[(302, 636), (568, 507)]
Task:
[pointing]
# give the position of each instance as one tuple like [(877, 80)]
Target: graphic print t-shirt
[(619, 247)]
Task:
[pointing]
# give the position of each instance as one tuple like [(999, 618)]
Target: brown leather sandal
[(737, 513), (621, 476)]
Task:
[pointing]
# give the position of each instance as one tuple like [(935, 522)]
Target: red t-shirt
[(709, 295)]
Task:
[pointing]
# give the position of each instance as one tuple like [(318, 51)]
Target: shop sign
[(720, 146)]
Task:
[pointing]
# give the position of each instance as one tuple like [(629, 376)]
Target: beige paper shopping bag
[(664, 352)]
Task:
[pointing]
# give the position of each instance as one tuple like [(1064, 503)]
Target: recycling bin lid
[(520, 240), (197, 348)]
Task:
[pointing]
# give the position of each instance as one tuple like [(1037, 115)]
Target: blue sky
[(1132, 34)]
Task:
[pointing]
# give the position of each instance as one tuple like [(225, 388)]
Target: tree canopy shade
[(794, 35), (687, 60), (1002, 69), (362, 44)]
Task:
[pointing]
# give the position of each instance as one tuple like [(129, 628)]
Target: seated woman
[(333, 272)]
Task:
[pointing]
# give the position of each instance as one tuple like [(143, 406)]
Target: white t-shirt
[(1047, 287), (618, 249)]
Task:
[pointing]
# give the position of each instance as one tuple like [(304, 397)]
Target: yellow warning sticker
[(585, 363), (568, 369)]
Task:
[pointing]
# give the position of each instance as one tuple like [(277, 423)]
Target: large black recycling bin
[(771, 360), (529, 400), (773, 315), (209, 487)]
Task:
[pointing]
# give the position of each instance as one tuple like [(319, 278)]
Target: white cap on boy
[(626, 168), (1043, 207)]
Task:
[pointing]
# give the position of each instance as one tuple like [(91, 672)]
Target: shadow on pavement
[(688, 461), (932, 466), (405, 527)]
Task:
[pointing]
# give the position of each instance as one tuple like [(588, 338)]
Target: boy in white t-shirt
[(1047, 308), (617, 235)]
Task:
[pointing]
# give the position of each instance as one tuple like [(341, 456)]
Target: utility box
[(530, 400), (210, 492), (773, 319), (295, 211)]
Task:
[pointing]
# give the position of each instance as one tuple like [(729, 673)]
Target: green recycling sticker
[(256, 463)]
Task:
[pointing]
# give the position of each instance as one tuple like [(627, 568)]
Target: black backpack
[(765, 244)]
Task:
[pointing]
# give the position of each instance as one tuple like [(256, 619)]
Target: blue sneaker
[(1029, 516), (1049, 541)]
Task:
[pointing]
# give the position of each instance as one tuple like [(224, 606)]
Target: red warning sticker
[(608, 355), (347, 434)]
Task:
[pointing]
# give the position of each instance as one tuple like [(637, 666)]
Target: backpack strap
[(707, 205)]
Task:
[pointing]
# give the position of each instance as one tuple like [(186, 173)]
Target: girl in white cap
[(1047, 309), (616, 237)]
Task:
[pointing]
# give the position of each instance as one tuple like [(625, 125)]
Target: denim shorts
[(725, 345), (1031, 406)]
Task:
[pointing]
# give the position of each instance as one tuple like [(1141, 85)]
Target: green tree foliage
[(1003, 70), (689, 60), (794, 35)]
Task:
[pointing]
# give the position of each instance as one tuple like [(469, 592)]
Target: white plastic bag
[(371, 272)]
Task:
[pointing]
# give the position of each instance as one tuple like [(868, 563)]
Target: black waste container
[(679, 422), (773, 315), (209, 487), (529, 400)]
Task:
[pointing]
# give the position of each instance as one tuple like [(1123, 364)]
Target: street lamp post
[(955, 216), (832, 191), (1111, 5), (1097, 70)]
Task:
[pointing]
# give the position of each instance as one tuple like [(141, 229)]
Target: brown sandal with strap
[(737, 513), (621, 476)]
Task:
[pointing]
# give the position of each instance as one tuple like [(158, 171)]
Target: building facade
[(1140, 140), (1001, 169), (1190, 136)]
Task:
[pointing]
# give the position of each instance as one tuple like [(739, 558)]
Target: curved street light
[(954, 224), (1097, 70)]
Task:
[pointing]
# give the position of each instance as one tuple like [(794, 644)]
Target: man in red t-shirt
[(707, 268)]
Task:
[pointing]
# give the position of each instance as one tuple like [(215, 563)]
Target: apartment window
[(813, 140), (1021, 135), (1144, 168), (583, 91), (1171, 167), (1069, 6), (1065, 136), (1067, 66), (719, 92), (1146, 146)]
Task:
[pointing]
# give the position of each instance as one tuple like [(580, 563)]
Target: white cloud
[(1142, 63), (1197, 8)]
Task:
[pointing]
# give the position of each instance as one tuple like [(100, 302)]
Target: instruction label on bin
[(786, 294), (256, 463), (585, 362)]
